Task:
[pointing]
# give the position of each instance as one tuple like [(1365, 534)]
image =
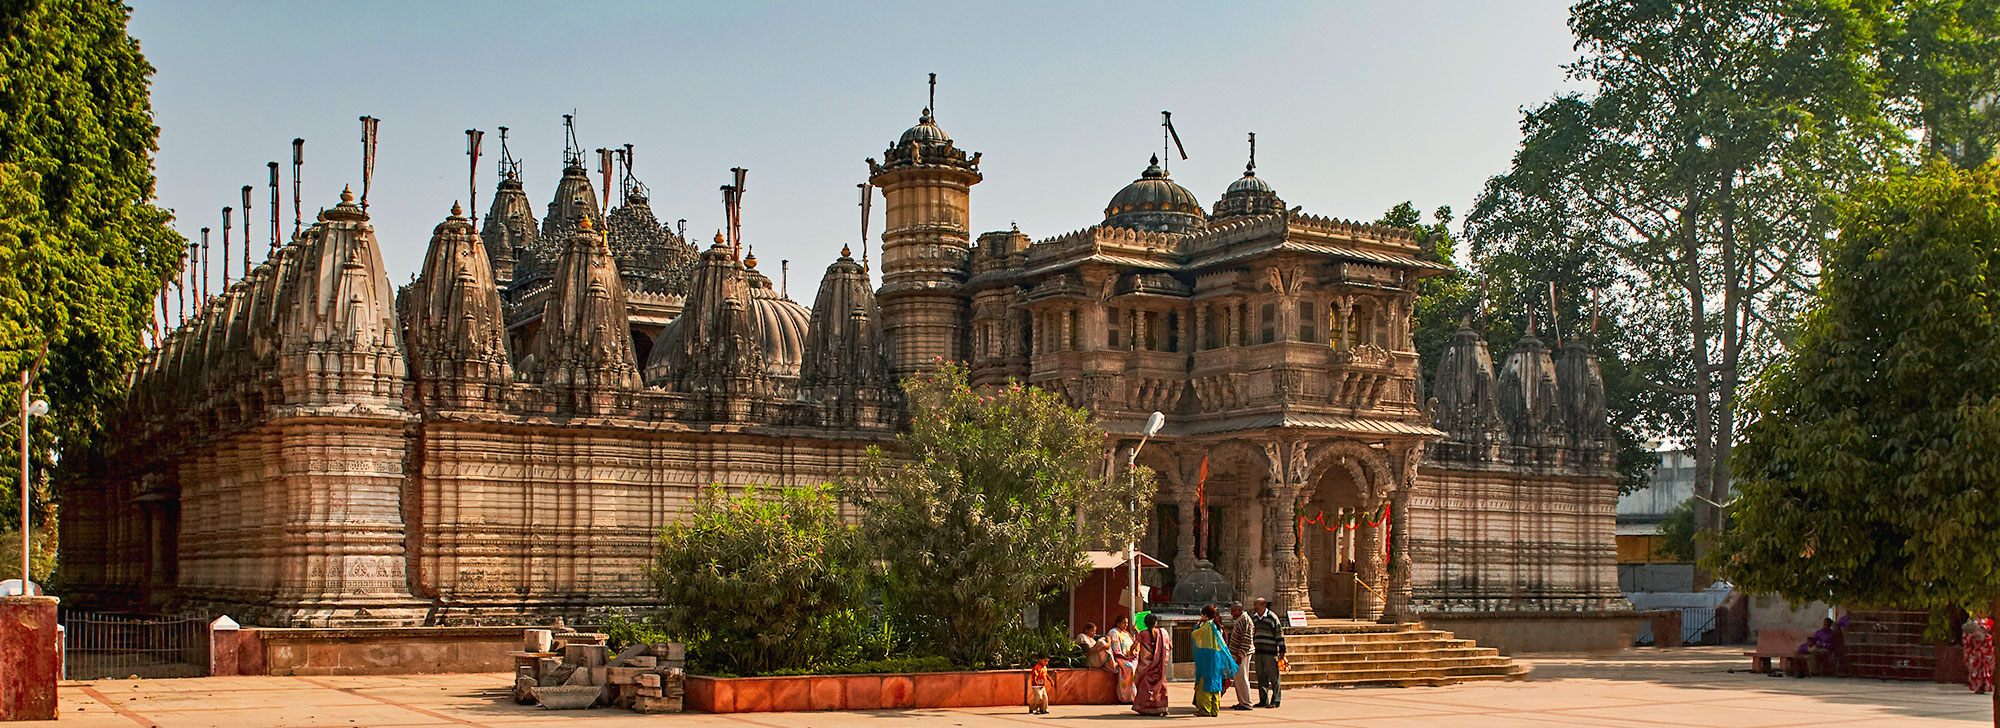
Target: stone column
[(1234, 336), (1200, 341), (1287, 566), (1368, 566), (1184, 557), (1400, 592)]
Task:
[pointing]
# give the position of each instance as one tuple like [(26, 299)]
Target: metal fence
[(98, 645)]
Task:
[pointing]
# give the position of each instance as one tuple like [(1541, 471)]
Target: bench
[(1780, 644)]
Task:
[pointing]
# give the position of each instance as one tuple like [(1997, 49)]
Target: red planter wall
[(893, 691), (29, 661)]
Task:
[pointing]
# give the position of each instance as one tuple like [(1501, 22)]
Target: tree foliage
[(769, 579), (1870, 473), (82, 249), (989, 509)]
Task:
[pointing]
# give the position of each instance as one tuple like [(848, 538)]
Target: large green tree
[(82, 249), (1940, 62), (1869, 474), (1692, 184), (995, 496)]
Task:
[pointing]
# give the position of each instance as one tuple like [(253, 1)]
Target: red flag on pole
[(1201, 508)]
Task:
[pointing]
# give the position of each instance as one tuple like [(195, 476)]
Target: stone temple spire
[(1464, 390), (1529, 398), (339, 336), (509, 232), (453, 322), (712, 350), (845, 375), (1583, 395), (586, 340)]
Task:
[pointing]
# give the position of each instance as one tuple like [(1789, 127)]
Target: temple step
[(1339, 653)]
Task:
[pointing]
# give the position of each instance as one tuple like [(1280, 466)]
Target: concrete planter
[(970, 689)]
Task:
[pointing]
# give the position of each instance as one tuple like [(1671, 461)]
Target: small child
[(1038, 687)]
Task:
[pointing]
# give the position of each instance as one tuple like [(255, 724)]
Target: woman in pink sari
[(1156, 658), (1124, 658)]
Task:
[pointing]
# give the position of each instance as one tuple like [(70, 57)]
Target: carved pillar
[(1287, 461), (1234, 336), (1346, 322), (1200, 341), (1400, 593), (1184, 557), (1368, 565)]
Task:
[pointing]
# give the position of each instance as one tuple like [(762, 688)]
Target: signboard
[(1295, 618)]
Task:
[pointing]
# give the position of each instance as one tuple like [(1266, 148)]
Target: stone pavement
[(1682, 687)]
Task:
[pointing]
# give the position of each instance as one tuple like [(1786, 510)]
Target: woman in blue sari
[(1212, 663)]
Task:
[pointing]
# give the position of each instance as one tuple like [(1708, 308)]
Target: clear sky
[(1356, 106)]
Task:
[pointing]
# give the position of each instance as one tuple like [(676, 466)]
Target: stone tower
[(926, 184)]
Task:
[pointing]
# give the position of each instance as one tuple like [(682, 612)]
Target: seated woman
[(1096, 651)]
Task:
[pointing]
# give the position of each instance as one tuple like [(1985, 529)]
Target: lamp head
[(38, 408), (1154, 423)]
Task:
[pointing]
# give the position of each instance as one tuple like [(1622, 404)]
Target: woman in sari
[(1212, 663), (1978, 642), (1124, 659), (1156, 657)]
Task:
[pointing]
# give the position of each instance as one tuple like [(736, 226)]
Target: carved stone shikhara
[(503, 439)]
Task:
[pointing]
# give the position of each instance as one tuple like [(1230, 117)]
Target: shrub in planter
[(759, 581)]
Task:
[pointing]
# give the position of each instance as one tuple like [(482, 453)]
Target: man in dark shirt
[(1270, 643)]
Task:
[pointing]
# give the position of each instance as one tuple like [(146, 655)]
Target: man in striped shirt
[(1270, 644)]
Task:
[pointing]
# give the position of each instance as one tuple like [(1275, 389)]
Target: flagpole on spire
[(274, 205), (867, 197), (473, 138), (1168, 135), (368, 124), (932, 103), (246, 231), (225, 247), (298, 160)]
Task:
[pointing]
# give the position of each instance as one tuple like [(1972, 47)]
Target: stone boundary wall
[(1514, 633), (371, 651), (904, 691)]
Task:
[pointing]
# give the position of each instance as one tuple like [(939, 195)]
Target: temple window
[(1218, 325), (1267, 321), (1111, 328), (1173, 332), (1308, 323), (1069, 325), (1152, 324)]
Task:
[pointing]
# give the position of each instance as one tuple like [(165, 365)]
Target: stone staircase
[(1344, 653)]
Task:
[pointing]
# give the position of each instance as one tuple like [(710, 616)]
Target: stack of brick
[(559, 670)]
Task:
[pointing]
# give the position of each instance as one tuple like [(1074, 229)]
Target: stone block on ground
[(624, 655), (524, 690), (669, 650), (537, 640), (656, 705), (622, 675), (649, 679), (585, 655), (646, 661), (567, 697)]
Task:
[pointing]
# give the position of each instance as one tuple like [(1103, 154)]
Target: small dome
[(780, 325), (1249, 183), (925, 132), (1153, 202)]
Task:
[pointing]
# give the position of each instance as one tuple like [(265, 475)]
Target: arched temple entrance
[(1331, 550)]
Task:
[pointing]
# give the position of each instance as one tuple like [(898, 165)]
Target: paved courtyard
[(1686, 687)]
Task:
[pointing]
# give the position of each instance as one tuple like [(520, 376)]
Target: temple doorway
[(1330, 548)]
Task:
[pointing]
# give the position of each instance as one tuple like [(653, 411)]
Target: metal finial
[(298, 160), (368, 125), (931, 108), (1250, 170)]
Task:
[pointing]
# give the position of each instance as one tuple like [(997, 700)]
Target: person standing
[(1242, 644), (1156, 657), (1270, 645), (1212, 663), (1978, 643)]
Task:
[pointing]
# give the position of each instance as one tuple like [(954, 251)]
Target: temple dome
[(1249, 183), (925, 132), (778, 323), (1155, 203)]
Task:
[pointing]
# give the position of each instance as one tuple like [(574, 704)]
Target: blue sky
[(1357, 106)]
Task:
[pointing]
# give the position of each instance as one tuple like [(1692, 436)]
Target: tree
[(989, 509), (1941, 60), (1869, 473), (1699, 171), (82, 249), (762, 580)]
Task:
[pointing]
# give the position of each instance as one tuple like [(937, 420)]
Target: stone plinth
[(29, 664)]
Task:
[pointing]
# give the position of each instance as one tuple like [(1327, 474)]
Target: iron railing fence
[(99, 645)]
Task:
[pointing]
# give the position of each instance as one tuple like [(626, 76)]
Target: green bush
[(760, 581)]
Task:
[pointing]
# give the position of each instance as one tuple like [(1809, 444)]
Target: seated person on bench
[(1821, 651)]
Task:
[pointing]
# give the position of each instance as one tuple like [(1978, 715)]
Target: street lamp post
[(1153, 425), (34, 408)]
